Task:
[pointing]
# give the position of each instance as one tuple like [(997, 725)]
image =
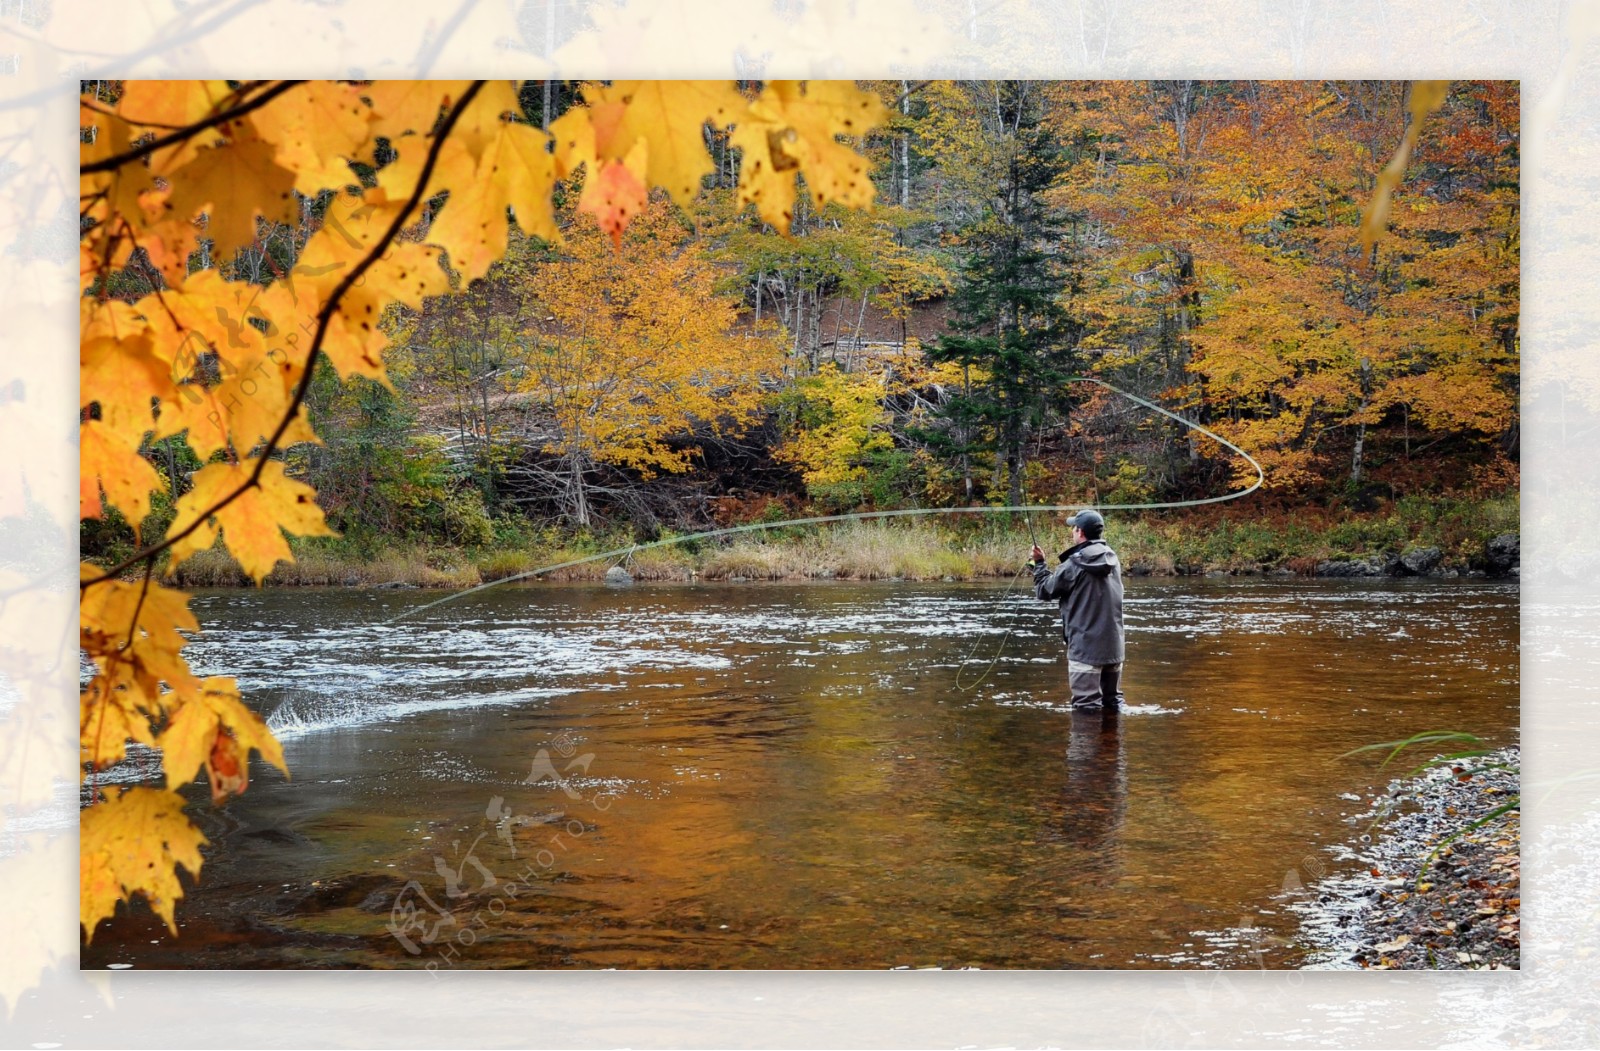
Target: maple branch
[(116, 161), (324, 316), (242, 91), (138, 607)]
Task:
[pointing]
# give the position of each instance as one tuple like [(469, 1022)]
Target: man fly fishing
[(1088, 586)]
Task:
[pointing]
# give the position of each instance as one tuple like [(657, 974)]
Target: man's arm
[(1048, 585)]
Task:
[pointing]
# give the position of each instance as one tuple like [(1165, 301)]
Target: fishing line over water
[(756, 527)]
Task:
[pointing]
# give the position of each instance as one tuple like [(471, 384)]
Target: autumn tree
[(836, 426), (1226, 272), (849, 260), (629, 348)]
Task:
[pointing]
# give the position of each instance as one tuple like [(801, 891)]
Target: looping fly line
[(756, 527)]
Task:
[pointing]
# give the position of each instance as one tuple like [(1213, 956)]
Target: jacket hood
[(1092, 556)]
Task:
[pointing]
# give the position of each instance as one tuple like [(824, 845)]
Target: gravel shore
[(1461, 910)]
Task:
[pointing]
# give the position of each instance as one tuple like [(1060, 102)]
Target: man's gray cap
[(1086, 518)]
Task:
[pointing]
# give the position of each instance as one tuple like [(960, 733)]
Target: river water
[(828, 775)]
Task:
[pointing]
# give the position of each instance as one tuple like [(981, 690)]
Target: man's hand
[(1038, 555)]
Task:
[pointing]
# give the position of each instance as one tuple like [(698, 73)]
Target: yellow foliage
[(253, 523), (132, 844), (839, 421), (639, 346)]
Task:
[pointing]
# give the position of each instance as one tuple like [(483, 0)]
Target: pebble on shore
[(1463, 911)]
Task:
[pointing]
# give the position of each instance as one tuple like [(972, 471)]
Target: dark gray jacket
[(1088, 584)]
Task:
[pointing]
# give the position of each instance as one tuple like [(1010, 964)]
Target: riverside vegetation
[(1148, 544)]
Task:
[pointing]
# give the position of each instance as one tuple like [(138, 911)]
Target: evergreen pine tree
[(1009, 328)]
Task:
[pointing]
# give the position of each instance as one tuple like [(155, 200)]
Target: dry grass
[(753, 560), (955, 549), (868, 551), (216, 568), (854, 551)]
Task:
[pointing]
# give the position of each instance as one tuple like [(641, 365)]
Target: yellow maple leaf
[(480, 122), (246, 394), (122, 376), (202, 714), (233, 183), (795, 125), (523, 164), (245, 408), (132, 843), (107, 719), (204, 312), (169, 104), (766, 176), (134, 634), (316, 127), (397, 180), (401, 106), (121, 189), (254, 522), (671, 115), (353, 226), (408, 273), (111, 465), (160, 106), (574, 135), (515, 171)]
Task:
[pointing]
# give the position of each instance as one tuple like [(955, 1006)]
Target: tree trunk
[(861, 319), (1015, 458), (838, 328), (799, 319), (905, 146), (966, 438), (1361, 428), (814, 315), (577, 492)]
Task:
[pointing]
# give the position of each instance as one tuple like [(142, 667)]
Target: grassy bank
[(953, 548)]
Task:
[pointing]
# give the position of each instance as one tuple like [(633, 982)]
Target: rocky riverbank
[(1460, 909), (1502, 556)]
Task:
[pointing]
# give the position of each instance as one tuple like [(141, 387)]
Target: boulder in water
[(619, 576)]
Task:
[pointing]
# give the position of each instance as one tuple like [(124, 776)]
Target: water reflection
[(805, 776), (1095, 796)]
